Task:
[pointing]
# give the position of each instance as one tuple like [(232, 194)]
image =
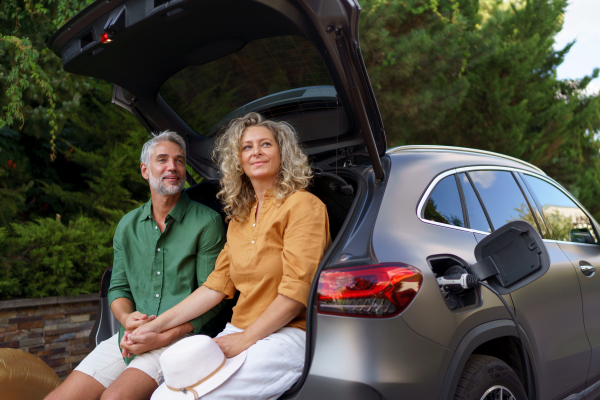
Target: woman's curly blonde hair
[(237, 193)]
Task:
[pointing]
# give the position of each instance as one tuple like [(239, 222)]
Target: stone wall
[(55, 329)]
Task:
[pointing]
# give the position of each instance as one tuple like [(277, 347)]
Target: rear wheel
[(488, 378)]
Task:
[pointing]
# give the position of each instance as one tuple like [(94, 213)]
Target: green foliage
[(47, 258), (28, 70), (482, 74), (472, 73), (94, 181), (416, 52), (105, 142), (87, 176)]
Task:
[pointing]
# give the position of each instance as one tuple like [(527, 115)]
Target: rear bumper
[(362, 358)]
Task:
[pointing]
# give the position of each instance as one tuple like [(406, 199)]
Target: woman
[(276, 237)]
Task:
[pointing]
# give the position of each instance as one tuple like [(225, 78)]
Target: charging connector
[(458, 282)]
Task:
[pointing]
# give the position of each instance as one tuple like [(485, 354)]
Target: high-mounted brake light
[(104, 38), (381, 290)]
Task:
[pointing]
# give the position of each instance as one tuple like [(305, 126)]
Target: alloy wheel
[(498, 393)]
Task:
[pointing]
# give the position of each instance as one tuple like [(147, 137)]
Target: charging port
[(446, 265)]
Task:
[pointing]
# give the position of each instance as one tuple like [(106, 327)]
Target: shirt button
[(156, 227), (158, 273), (253, 224), (159, 249), (253, 241), (157, 295)]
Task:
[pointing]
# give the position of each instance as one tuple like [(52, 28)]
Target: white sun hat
[(193, 367)]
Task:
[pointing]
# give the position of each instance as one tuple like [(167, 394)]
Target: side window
[(477, 218), (444, 204), (567, 222), (502, 197)]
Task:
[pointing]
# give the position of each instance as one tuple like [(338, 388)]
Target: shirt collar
[(177, 213), (268, 194), (146, 210)]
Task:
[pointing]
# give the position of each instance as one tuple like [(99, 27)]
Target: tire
[(488, 378)]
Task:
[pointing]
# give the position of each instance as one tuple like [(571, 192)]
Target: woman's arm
[(281, 311), (305, 238), (200, 301)]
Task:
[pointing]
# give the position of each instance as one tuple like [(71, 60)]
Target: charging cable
[(460, 282)]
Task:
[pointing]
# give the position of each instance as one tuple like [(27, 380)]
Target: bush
[(47, 258)]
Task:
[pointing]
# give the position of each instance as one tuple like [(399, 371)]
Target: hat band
[(191, 387)]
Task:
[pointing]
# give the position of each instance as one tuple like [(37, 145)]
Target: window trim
[(481, 203), (459, 189), (427, 193), (531, 209), (463, 202), (437, 179), (530, 196)]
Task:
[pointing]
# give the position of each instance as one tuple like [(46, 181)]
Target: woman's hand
[(137, 319), (125, 341), (150, 327), (233, 344), (149, 341)]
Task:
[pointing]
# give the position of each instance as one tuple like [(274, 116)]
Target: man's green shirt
[(158, 270)]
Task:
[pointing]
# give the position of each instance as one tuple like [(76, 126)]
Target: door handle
[(586, 268)]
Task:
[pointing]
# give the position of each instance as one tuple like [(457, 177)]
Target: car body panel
[(400, 224), (590, 290), (361, 350), (468, 344), (542, 314), (550, 311)]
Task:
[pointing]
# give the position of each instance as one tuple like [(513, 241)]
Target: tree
[(417, 53), (69, 161), (482, 74)]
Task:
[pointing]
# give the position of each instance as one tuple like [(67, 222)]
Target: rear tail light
[(104, 38), (381, 290)]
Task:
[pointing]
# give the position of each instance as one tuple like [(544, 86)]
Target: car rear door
[(575, 233), (549, 308)]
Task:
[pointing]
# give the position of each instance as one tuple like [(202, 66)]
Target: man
[(164, 250)]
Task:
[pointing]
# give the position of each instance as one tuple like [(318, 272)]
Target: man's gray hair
[(163, 136)]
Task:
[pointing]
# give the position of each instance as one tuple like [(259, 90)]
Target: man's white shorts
[(105, 362)]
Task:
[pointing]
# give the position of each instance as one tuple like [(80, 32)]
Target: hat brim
[(231, 366)]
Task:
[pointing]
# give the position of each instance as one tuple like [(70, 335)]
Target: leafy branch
[(24, 67), (23, 58)]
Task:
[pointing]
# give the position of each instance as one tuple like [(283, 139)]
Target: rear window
[(206, 96), (444, 204)]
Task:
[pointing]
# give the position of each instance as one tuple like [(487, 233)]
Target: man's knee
[(77, 386), (112, 395), (133, 384)]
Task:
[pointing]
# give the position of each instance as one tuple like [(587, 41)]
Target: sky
[(581, 23)]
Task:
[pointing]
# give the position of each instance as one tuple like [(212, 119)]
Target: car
[(379, 325)]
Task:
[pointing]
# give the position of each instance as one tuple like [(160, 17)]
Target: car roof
[(466, 156)]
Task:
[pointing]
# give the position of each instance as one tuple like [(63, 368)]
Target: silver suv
[(379, 325)]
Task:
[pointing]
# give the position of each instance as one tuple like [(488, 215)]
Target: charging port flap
[(511, 257)]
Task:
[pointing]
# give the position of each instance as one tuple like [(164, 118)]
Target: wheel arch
[(481, 340)]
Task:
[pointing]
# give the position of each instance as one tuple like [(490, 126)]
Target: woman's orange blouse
[(277, 254)]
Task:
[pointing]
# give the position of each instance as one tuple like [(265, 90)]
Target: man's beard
[(159, 186)]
